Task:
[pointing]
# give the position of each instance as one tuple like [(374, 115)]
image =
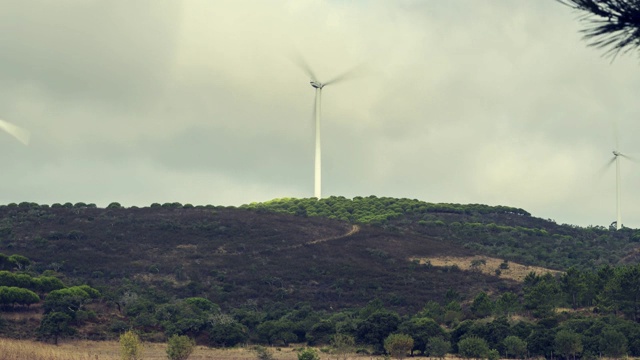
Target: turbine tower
[(317, 183), (19, 133), (617, 155), (616, 158), (317, 108)]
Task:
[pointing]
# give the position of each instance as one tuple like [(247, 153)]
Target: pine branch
[(612, 24)]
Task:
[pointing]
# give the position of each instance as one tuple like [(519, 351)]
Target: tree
[(573, 285), (421, 329), (540, 342), (541, 294), (46, 284), (613, 343), (473, 347), (568, 343), (613, 24), (482, 305), (19, 261), (507, 304), (227, 333), (114, 205), (398, 345), (493, 354), (5, 264), (69, 300), (54, 325), (515, 346), (130, 346), (277, 331), (432, 310), (624, 290), (11, 295), (180, 347), (438, 347), (376, 327)]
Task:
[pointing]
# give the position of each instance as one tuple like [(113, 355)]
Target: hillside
[(499, 231), (232, 256), (298, 250), (300, 270)]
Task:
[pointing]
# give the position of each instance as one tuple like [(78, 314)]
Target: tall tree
[(612, 24)]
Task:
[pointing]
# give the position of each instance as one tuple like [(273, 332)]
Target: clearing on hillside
[(486, 265)]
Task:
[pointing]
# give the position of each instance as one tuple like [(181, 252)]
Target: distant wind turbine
[(19, 133), (317, 109), (616, 158)]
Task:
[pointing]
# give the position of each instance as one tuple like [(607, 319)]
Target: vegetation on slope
[(297, 270), (499, 231)]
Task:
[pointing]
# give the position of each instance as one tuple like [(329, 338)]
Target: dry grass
[(110, 350), (515, 271)]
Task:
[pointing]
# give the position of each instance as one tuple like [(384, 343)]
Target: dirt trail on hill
[(354, 230)]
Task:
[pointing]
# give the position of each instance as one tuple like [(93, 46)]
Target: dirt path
[(354, 230)]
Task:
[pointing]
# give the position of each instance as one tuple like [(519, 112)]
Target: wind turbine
[(19, 133), (318, 86), (616, 158)]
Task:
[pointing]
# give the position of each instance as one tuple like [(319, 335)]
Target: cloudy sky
[(460, 101)]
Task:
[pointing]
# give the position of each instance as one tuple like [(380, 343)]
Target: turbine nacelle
[(616, 153), (316, 84)]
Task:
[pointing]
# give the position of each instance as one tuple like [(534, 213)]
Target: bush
[(308, 354), (398, 345), (515, 346), (473, 347), (262, 353), (180, 347), (438, 347), (130, 346)]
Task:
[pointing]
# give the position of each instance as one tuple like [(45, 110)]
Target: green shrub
[(180, 347), (398, 345), (130, 346), (308, 354), (438, 347), (473, 347)]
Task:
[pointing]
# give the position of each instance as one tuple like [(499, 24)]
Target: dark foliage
[(303, 270), (612, 24)]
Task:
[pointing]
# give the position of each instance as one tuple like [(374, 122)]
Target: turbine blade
[(629, 157), (304, 66), (352, 73), (615, 134), (607, 166), (19, 133)]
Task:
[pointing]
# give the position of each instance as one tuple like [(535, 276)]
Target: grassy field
[(515, 271), (110, 350)]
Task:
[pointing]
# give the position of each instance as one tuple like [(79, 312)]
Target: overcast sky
[(460, 101)]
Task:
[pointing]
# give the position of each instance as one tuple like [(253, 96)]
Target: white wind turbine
[(19, 133), (616, 158), (316, 109)]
